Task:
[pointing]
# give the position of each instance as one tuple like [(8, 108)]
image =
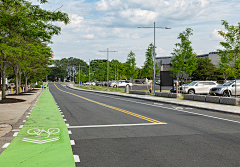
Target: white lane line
[(69, 132), (114, 125), (158, 103), (15, 134), (5, 145), (20, 126), (76, 158), (72, 142), (209, 116)]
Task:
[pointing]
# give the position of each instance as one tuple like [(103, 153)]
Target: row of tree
[(71, 68), (185, 61), (26, 31)]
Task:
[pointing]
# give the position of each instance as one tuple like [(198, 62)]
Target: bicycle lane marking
[(43, 140), (115, 108)]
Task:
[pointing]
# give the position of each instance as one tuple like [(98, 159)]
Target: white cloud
[(89, 36), (215, 36)]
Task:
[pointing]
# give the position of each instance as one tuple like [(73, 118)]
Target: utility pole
[(107, 64), (154, 51), (89, 73)]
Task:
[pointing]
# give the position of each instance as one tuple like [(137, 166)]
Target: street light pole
[(89, 73), (154, 52), (107, 64)]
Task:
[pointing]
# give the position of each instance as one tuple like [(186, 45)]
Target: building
[(164, 63)]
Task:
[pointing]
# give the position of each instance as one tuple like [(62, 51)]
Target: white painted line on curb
[(27, 116), (15, 134), (64, 119), (5, 145), (29, 113), (115, 125), (158, 104), (67, 125), (69, 132), (24, 120), (61, 112), (62, 115), (76, 158), (20, 126), (72, 142)]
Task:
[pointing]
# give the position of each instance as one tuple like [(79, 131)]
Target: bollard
[(23, 89), (150, 90), (127, 89), (11, 90)]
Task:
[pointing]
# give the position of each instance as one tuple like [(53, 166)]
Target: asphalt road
[(117, 131)]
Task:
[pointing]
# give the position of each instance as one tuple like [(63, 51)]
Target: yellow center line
[(115, 108)]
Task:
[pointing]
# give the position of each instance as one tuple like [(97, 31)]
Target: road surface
[(118, 131)]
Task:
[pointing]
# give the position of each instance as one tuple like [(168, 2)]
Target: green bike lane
[(43, 140)]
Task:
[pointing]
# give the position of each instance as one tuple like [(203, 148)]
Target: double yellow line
[(115, 108)]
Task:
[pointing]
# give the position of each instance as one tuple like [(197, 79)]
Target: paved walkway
[(188, 103)]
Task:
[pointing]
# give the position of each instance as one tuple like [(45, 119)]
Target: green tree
[(130, 66), (229, 55), (184, 60), (148, 70), (204, 69)]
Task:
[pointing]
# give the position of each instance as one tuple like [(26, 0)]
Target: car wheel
[(226, 94), (115, 86), (191, 91)]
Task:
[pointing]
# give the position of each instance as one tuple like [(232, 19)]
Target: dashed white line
[(62, 115), (72, 142), (16, 130), (20, 126), (76, 158), (69, 132), (5, 145), (24, 120), (15, 134), (67, 125), (64, 119)]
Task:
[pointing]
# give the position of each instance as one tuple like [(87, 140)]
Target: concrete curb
[(154, 100)]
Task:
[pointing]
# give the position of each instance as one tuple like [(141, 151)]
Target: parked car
[(121, 83), (200, 87), (173, 90), (227, 89)]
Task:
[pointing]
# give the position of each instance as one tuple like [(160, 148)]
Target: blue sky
[(101, 24)]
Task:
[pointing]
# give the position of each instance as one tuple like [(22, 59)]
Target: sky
[(100, 24)]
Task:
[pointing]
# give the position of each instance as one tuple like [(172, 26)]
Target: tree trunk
[(25, 74), (20, 78), (0, 80), (4, 75), (16, 80)]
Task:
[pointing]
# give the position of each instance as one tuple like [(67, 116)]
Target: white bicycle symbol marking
[(36, 131)]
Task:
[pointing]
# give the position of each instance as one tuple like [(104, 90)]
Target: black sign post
[(166, 79)]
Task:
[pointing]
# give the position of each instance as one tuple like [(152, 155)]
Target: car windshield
[(192, 83), (228, 83)]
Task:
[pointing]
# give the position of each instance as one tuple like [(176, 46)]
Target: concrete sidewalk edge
[(154, 100)]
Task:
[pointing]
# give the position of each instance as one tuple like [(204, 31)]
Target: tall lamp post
[(154, 50), (107, 63)]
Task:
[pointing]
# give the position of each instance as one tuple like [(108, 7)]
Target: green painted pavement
[(63, 85), (46, 128)]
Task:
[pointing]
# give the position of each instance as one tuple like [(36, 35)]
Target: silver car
[(199, 87), (226, 89)]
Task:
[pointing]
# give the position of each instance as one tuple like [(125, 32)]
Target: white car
[(120, 83), (200, 87)]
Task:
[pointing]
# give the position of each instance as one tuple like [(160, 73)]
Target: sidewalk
[(181, 102)]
